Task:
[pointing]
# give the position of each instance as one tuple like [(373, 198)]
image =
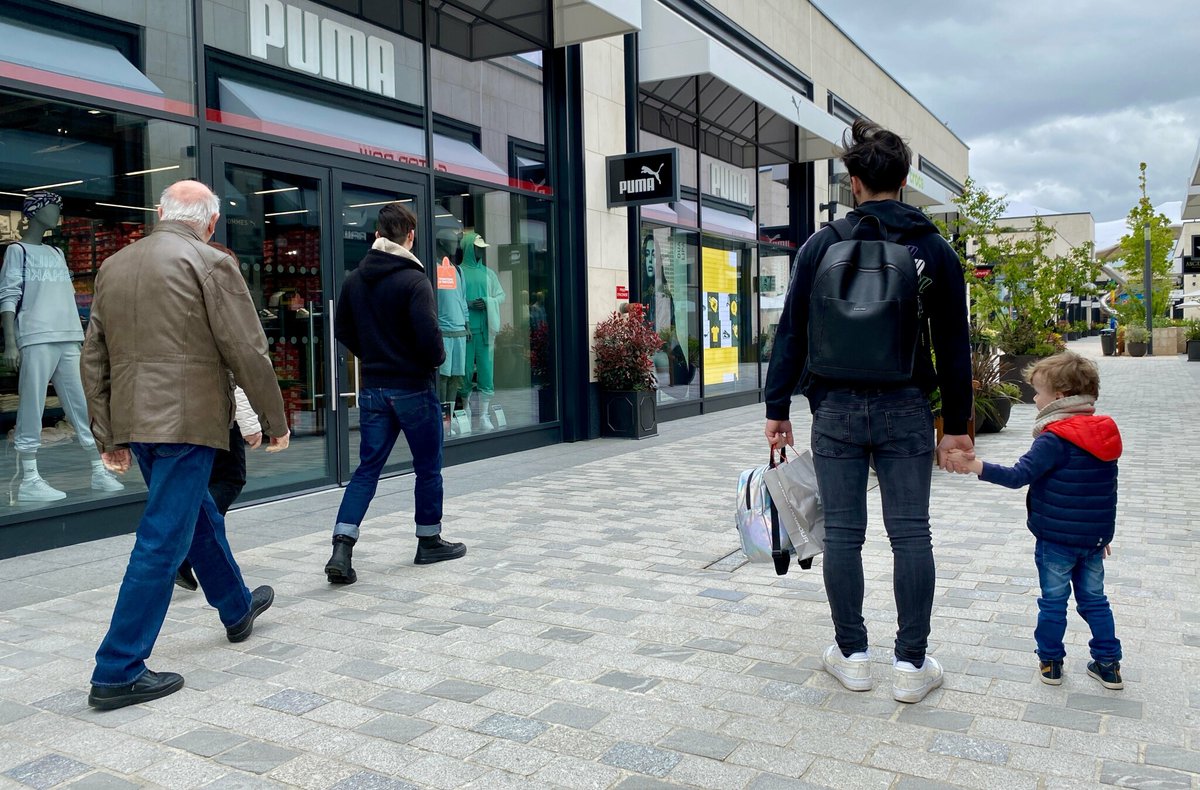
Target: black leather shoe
[(260, 601), (185, 578), (429, 552), (338, 570), (151, 685)]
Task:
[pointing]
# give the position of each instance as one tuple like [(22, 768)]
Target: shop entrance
[(297, 229)]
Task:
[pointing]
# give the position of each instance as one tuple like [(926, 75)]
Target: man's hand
[(254, 440), (279, 443), (478, 304), (1108, 550), (468, 328), (12, 356), (959, 442), (117, 461), (779, 434)]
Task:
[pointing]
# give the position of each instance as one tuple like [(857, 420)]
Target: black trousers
[(228, 476)]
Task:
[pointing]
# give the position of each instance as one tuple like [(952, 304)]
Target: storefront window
[(496, 281), (105, 172), (137, 53), (730, 313), (773, 265), (670, 289)]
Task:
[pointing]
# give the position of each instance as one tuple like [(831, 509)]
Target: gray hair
[(191, 203)]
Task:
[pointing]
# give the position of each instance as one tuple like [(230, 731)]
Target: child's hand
[(963, 463)]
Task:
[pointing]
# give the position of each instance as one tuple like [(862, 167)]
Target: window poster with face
[(720, 270)]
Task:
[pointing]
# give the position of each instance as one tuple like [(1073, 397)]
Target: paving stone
[(1173, 757), (458, 690), (766, 669), (699, 743), (1061, 717), (790, 692), (206, 742), (954, 745), (570, 715), (716, 645), (774, 782), (623, 680), (1113, 706), (724, 595), (666, 652), (12, 711), (936, 718), (364, 670), (256, 757), (400, 729), (401, 702), (293, 701), (46, 771), (1125, 775), (366, 780), (640, 758), (566, 635), (67, 703), (103, 781), (513, 728), (431, 627)]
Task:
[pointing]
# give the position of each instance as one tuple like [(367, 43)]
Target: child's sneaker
[(910, 684), (1108, 673), (854, 672), (1051, 672)]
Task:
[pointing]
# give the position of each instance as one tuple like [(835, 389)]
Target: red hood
[(1094, 434)]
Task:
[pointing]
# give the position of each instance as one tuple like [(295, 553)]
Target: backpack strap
[(843, 227)]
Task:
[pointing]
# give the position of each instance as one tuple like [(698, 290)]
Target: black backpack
[(864, 314)]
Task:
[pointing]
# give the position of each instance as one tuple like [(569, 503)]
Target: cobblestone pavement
[(599, 635)]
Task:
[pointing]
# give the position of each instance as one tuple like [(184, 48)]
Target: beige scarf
[(392, 248), (1064, 409)]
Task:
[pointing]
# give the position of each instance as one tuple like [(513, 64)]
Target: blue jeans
[(180, 521), (895, 429), (1059, 569), (384, 413)]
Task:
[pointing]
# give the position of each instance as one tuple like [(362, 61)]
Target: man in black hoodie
[(890, 424), (387, 316)]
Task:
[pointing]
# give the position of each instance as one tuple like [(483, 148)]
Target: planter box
[(629, 415), (1014, 366), (1193, 350), (1135, 349), (1166, 341)]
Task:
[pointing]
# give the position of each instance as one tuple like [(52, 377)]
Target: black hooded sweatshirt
[(387, 316), (944, 305)]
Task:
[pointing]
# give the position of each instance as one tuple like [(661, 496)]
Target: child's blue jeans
[(1059, 569)]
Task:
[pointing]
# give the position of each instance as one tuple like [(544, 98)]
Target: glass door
[(357, 201), (274, 219)]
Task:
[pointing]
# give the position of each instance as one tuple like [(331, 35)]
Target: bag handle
[(781, 558), (867, 221)]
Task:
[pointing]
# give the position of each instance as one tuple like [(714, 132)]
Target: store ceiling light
[(442, 216), (376, 203), (120, 205), (52, 186), (153, 170), (273, 191), (285, 213), (93, 112), (14, 194)]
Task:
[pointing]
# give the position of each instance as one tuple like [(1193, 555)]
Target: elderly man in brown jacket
[(172, 318)]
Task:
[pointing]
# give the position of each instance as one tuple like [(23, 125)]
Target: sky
[(1059, 100)]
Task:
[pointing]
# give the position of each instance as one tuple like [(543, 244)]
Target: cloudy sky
[(1059, 100)]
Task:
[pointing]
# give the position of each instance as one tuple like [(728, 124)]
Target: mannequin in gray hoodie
[(42, 337)]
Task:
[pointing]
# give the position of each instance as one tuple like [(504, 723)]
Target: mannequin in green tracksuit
[(484, 297)]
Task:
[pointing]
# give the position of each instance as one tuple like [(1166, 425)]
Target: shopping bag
[(792, 486), (763, 537)]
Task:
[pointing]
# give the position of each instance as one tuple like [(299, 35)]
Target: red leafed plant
[(624, 347)]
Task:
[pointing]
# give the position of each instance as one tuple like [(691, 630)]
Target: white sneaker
[(854, 672), (38, 490), (485, 422), (104, 480), (910, 684)]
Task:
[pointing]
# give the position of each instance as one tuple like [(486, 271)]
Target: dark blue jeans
[(384, 413), (180, 520), (1059, 569), (895, 429)]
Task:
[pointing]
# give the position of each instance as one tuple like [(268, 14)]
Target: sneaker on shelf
[(104, 480), (485, 422), (1051, 672), (910, 684), (1108, 673), (38, 490), (854, 672)]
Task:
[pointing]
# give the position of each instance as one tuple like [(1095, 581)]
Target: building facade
[(495, 126)]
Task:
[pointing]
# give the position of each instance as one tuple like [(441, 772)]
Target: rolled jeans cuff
[(349, 530), (119, 685), (428, 530)]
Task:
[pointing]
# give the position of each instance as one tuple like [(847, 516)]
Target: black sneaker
[(1108, 673), (260, 601), (185, 578), (338, 570), (437, 550), (1052, 672), (151, 685)]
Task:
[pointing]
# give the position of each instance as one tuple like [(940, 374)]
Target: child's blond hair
[(1067, 373)]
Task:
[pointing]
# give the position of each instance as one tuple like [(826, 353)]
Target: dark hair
[(396, 222), (878, 157)]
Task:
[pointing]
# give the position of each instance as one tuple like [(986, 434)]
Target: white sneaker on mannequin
[(104, 480), (38, 490), (485, 417)]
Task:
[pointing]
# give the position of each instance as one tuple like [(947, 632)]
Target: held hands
[(962, 462), (279, 443), (117, 461), (779, 434), (954, 442)]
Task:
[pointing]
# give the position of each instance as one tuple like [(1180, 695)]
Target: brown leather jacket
[(172, 317)]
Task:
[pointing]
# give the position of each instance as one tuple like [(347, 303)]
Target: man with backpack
[(869, 297)]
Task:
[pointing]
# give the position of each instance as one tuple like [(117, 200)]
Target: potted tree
[(1136, 338), (1024, 343), (993, 395), (625, 345), (1193, 340)]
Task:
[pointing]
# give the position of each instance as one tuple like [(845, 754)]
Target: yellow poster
[(720, 272)]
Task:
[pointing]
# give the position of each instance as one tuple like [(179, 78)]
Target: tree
[(1133, 255)]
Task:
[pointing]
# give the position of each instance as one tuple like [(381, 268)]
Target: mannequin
[(456, 330), (484, 297), (42, 337)]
